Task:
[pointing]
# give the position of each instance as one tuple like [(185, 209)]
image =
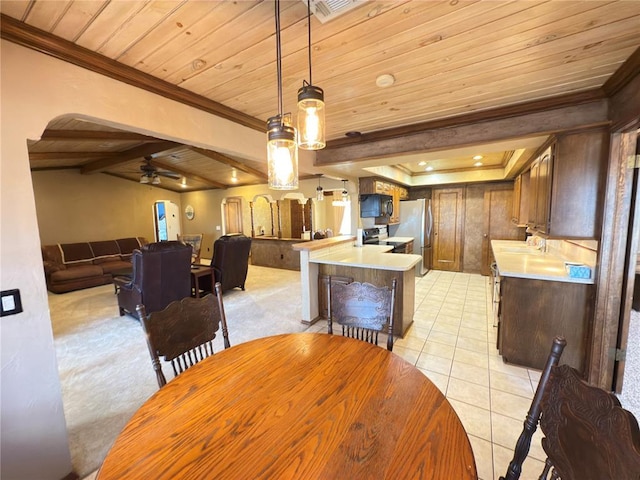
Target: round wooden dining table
[(295, 406)]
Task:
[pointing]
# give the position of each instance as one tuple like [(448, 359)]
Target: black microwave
[(376, 205)]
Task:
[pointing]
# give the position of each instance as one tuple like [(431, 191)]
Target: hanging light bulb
[(311, 123), (345, 194), (282, 149), (344, 199), (319, 192)]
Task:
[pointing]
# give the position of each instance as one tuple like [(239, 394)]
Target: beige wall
[(36, 89), (72, 207), (208, 210)]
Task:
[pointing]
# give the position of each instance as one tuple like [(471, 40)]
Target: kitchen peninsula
[(338, 256)]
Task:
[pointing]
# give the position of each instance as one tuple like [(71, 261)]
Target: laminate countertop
[(517, 259), (369, 256), (398, 239)]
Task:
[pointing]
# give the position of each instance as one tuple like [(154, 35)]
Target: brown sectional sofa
[(73, 266)]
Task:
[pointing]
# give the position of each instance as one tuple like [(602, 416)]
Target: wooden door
[(448, 215), (498, 205), (300, 218), (233, 215)]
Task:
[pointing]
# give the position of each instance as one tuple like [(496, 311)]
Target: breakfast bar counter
[(339, 257)]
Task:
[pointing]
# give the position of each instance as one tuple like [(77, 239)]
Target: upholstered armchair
[(230, 261), (161, 274)]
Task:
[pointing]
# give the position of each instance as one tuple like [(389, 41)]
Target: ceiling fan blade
[(168, 174)]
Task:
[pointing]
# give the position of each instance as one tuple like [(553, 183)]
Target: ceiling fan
[(151, 174)]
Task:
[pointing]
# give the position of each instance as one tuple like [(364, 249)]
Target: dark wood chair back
[(587, 434), (183, 332), (362, 309)]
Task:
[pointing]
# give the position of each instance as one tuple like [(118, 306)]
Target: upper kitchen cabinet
[(520, 213), (540, 191), (577, 193), (566, 185)]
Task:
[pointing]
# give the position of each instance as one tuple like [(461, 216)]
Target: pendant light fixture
[(282, 150), (310, 107), (345, 193), (319, 191)]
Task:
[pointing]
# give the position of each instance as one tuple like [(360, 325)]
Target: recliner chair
[(161, 275), (230, 261)]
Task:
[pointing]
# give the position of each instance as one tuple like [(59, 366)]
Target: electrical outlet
[(218, 228)]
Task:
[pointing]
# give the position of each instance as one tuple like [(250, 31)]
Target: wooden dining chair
[(587, 434), (183, 332), (364, 310)]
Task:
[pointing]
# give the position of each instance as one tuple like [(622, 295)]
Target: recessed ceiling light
[(422, 164), (429, 168), (477, 164), (477, 157), (385, 80)]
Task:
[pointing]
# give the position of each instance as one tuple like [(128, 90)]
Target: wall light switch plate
[(11, 302)]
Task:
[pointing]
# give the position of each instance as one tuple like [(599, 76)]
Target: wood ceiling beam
[(108, 161), (44, 42), (36, 156), (472, 118), (624, 75), (219, 157), (184, 173), (448, 134), (94, 136)]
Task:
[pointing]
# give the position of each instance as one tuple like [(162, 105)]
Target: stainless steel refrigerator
[(416, 220)]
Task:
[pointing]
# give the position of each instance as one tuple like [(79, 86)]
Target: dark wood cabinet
[(566, 185), (533, 312), (520, 214), (579, 172), (540, 191)]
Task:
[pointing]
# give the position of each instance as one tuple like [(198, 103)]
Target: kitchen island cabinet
[(337, 256)]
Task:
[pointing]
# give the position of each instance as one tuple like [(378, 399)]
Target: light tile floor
[(453, 341)]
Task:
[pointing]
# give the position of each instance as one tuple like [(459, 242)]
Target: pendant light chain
[(279, 59), (282, 149), (309, 31)]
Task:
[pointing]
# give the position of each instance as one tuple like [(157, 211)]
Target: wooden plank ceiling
[(448, 58)]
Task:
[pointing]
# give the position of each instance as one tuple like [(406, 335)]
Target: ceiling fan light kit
[(282, 149)]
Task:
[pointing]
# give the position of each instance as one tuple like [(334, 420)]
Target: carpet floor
[(103, 361)]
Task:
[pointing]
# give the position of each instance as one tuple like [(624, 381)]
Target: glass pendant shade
[(156, 180), (282, 155), (311, 122), (144, 179)]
